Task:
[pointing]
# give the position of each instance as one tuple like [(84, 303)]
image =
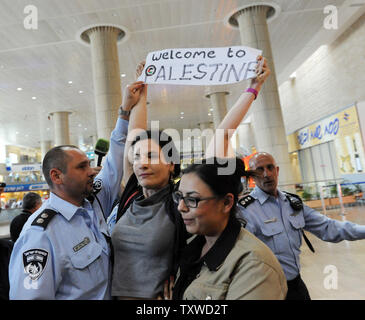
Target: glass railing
[(23, 179), (6, 215), (329, 194)]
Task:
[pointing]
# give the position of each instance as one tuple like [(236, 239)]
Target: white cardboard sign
[(200, 66)]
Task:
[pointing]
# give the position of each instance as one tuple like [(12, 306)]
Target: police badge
[(35, 261), (97, 185)]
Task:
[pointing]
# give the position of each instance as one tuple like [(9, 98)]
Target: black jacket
[(6, 246), (17, 224)]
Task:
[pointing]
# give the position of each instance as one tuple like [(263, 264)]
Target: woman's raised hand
[(263, 71), (132, 94)]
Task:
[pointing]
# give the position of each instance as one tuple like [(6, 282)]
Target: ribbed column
[(205, 138), (106, 76), (205, 125), (45, 142), (267, 120), (61, 127), (219, 105), (45, 146), (246, 137)]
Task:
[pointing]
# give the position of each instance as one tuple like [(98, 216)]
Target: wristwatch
[(122, 112)]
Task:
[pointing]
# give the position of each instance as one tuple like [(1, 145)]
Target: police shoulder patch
[(44, 218), (35, 261), (246, 201), (97, 185)]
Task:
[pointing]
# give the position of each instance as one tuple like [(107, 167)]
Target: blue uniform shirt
[(109, 179), (279, 226), (70, 258)]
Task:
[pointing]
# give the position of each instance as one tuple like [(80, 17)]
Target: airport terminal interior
[(64, 66)]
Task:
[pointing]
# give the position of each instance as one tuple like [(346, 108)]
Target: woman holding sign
[(149, 232)]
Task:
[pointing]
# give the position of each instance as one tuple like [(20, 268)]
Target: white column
[(246, 137), (45, 141), (205, 138), (219, 105), (61, 127), (267, 120), (45, 146), (106, 77)]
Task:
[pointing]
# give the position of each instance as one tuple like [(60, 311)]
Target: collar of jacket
[(215, 257), (262, 196)]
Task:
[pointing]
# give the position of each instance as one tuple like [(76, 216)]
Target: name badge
[(270, 220), (82, 244)]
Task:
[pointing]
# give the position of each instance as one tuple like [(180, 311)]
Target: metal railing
[(330, 194)]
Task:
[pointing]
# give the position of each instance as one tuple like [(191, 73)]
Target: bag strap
[(131, 191)]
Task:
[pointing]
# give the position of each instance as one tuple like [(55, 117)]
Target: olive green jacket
[(246, 269)]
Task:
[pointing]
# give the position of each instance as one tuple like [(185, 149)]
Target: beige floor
[(348, 258)]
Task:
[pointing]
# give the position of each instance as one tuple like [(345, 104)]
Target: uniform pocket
[(87, 255), (272, 236), (88, 269), (297, 221)]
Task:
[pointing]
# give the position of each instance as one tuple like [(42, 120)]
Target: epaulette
[(295, 201), (246, 201), (44, 218)]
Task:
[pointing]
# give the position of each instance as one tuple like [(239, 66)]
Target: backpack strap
[(297, 204)]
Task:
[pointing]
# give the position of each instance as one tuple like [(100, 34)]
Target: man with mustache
[(278, 219), (63, 251)]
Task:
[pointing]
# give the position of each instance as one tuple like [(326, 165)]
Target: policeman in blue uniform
[(63, 250), (278, 219)]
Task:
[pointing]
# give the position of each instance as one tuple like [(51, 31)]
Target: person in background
[(6, 247), (2, 188), (278, 218), (31, 203)]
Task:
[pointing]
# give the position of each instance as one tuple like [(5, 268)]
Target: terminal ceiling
[(42, 62)]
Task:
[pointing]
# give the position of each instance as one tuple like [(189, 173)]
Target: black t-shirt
[(6, 246), (17, 224)]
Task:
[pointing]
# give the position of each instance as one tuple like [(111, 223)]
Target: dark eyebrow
[(82, 163), (191, 192)]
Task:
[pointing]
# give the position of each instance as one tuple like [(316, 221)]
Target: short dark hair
[(30, 200), (56, 158), (166, 144), (208, 171)]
